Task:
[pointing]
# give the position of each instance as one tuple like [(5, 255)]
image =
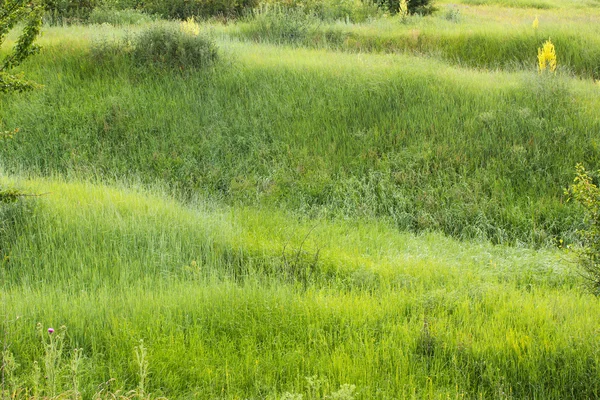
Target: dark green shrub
[(164, 45), (587, 194), (167, 45)]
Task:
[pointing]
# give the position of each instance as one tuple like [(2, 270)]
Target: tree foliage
[(13, 13)]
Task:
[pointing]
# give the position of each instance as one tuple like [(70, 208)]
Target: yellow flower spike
[(190, 26), (536, 23), (403, 8), (547, 57)]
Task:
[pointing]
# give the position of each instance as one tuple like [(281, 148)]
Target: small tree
[(13, 12), (587, 194)]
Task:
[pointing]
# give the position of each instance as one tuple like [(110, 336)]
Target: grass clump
[(329, 10), (288, 25), (168, 45), (173, 46), (282, 25)]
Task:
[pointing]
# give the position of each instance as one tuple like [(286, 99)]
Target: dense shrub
[(170, 46), (163, 45)]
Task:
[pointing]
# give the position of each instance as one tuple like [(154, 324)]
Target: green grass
[(297, 217), (538, 4), (472, 154), (478, 37), (394, 314)]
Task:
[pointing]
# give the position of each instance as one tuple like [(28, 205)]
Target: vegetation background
[(300, 200)]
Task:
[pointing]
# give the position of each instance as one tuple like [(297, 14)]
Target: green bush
[(167, 45), (587, 194), (104, 15), (163, 45)]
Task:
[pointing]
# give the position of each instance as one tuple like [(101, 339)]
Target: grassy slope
[(475, 36), (588, 5), (229, 298), (472, 154), (391, 313)]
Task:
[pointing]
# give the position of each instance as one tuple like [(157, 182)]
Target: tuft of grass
[(176, 47)]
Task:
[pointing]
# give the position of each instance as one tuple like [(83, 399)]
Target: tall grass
[(476, 39), (536, 4), (243, 219), (425, 145), (393, 314)]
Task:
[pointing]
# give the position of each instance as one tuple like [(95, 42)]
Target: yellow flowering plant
[(547, 57), (190, 26), (403, 11)]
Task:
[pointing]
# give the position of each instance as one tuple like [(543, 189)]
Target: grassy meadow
[(328, 210)]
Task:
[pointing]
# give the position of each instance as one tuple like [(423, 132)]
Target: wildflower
[(190, 26), (536, 23), (547, 57), (50, 331), (403, 8)]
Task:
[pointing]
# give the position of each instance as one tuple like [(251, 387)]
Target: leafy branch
[(13, 12)]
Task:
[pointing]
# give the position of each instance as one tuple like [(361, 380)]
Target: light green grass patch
[(393, 313)]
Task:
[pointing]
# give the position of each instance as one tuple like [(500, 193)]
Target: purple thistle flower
[(51, 330)]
